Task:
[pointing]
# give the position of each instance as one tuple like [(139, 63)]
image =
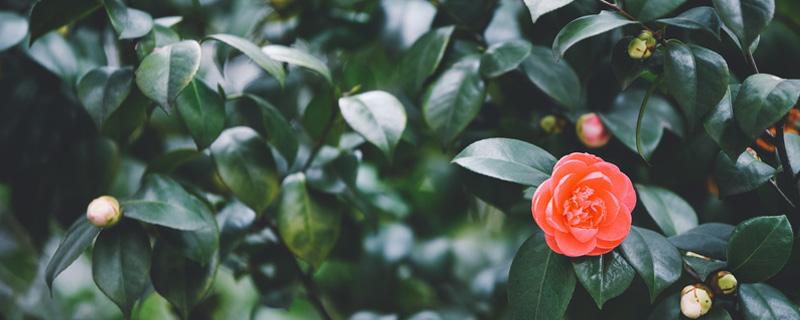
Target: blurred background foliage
[(421, 238)]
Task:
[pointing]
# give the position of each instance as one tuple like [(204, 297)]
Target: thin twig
[(750, 60), (624, 13), (642, 110)]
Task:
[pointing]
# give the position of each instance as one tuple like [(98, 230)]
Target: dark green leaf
[(507, 159), (539, 7), (235, 219), (48, 15), (253, 52), (696, 77), (703, 267), (670, 212), (762, 302), (722, 127), (103, 90), (698, 18), (56, 55), (586, 27), (792, 142), (378, 116), (745, 18), (648, 10), (667, 309), (309, 223), (654, 258), (746, 174), (554, 77), (13, 29), (759, 247), (763, 100), (159, 36), (504, 57), (168, 162), (78, 237), (540, 282), (299, 58), (120, 261), (182, 282), (708, 239), (164, 202), (422, 59), (454, 99), (625, 69), (605, 276), (660, 115), (246, 166), (165, 72), (199, 245), (129, 23), (203, 111), (279, 131), (128, 120)]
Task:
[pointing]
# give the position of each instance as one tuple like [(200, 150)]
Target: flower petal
[(599, 251), (619, 228), (551, 242), (612, 206), (572, 247), (564, 168), (583, 234), (541, 198)]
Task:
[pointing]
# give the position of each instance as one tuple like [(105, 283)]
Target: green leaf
[(759, 247), (279, 131), (625, 69), (454, 99), (13, 29), (377, 116), (762, 302), (696, 77), (162, 201), (698, 18), (668, 309), (745, 18), (605, 276), (507, 159), (78, 237), (660, 115), (165, 72), (129, 23), (255, 53), (554, 77), (201, 244), (169, 161), (203, 111), (654, 258), (540, 282), (423, 58), (169, 21), (763, 100), (792, 142), (56, 55), (537, 8), (246, 166), (586, 27), (103, 90), (182, 282), (299, 58), (129, 119), (309, 223), (746, 174), (503, 57), (649, 10), (120, 261), (722, 127), (159, 36), (708, 239), (235, 219), (703, 267), (670, 212), (48, 15)]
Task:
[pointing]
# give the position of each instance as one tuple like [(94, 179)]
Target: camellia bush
[(399, 159)]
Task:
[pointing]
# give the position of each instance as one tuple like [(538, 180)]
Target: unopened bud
[(552, 124), (696, 300), (104, 212), (637, 48), (724, 283), (591, 131)]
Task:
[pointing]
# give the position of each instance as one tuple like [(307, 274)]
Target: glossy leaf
[(605, 276), (162, 201), (703, 267), (746, 174), (554, 77), (159, 36), (698, 18), (539, 7), (648, 10), (56, 55), (377, 116), (670, 212), (168, 162), (120, 261), (103, 90), (253, 52), (660, 115), (722, 127), (745, 18), (279, 132), (454, 99), (540, 282), (708, 239), (759, 248), (423, 58), (129, 23), (656, 260), (299, 58), (48, 15), (165, 72), (504, 57), (586, 27), (203, 112), (309, 223), (78, 237), (199, 245), (507, 159), (764, 99), (182, 282), (792, 142), (760, 301), (13, 29), (246, 166), (696, 77), (234, 220)]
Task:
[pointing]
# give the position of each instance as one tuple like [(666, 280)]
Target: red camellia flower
[(585, 207)]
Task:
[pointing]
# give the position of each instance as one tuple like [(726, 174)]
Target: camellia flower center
[(583, 210)]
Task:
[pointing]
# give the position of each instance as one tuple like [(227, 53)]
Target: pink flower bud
[(591, 131), (104, 212)]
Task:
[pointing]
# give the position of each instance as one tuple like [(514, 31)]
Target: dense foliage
[(377, 159)]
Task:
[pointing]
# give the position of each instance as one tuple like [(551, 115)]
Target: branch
[(625, 13), (750, 60)]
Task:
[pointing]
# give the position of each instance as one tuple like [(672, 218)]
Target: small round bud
[(104, 212), (591, 131), (637, 48), (552, 124), (725, 283), (696, 300)]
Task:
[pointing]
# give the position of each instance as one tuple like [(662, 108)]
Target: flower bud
[(695, 300), (591, 131), (552, 124), (104, 212), (637, 48), (724, 282)]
